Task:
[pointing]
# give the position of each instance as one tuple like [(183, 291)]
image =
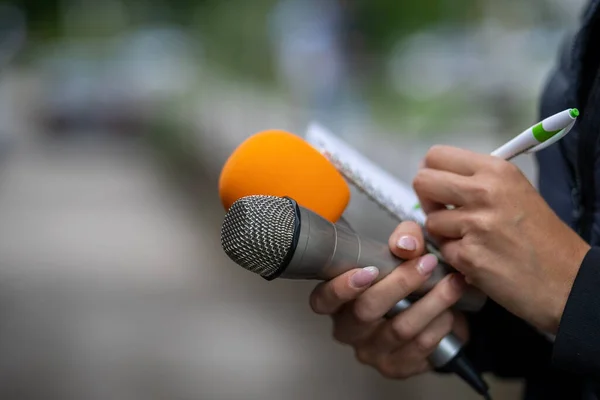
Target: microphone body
[(325, 250)]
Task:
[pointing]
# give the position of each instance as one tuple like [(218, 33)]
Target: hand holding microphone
[(397, 347), (277, 238), (274, 238)]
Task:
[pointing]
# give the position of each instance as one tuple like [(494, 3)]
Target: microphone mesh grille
[(258, 231)]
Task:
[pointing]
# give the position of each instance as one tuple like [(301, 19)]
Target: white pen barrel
[(516, 146)]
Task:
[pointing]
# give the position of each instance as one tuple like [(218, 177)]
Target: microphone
[(275, 237)]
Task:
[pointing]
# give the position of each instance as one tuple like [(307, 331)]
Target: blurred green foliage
[(43, 16), (234, 33), (382, 22)]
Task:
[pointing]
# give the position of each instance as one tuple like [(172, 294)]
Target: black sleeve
[(577, 344), (505, 345)]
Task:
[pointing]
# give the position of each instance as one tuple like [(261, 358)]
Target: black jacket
[(569, 180)]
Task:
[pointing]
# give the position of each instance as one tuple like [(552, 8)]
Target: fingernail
[(427, 264), (407, 243), (364, 277), (459, 282)]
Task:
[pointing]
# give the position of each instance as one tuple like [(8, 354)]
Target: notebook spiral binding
[(369, 190)]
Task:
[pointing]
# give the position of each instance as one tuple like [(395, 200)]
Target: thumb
[(406, 242)]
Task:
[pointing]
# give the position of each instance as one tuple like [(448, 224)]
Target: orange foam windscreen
[(278, 163)]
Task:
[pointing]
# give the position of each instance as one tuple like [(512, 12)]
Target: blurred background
[(115, 119)]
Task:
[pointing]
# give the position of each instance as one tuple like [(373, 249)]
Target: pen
[(539, 136)]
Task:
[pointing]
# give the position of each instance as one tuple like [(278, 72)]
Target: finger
[(460, 327), (329, 296), (426, 205), (412, 359), (402, 365), (428, 340), (377, 300), (436, 188), (406, 242), (447, 224), (454, 253), (417, 317), (347, 329), (455, 160), (410, 323)]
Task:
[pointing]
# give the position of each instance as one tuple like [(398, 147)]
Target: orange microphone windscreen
[(278, 163)]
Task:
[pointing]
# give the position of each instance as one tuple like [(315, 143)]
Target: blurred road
[(113, 286)]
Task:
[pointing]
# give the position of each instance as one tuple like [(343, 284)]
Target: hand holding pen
[(536, 138)]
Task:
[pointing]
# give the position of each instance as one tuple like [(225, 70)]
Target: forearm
[(577, 345)]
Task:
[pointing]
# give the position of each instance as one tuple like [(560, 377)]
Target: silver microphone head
[(258, 233)]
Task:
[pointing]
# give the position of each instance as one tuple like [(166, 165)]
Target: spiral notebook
[(392, 195)]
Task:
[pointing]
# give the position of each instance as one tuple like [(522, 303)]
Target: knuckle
[(467, 258), (420, 180), (338, 335), (447, 295), (337, 292), (426, 342), (504, 168), (404, 329), (470, 221), (448, 319), (363, 356), (402, 282), (434, 153), (484, 192), (462, 256), (483, 223), (316, 303), (450, 251), (388, 370), (497, 167), (431, 223), (511, 169), (365, 310)]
